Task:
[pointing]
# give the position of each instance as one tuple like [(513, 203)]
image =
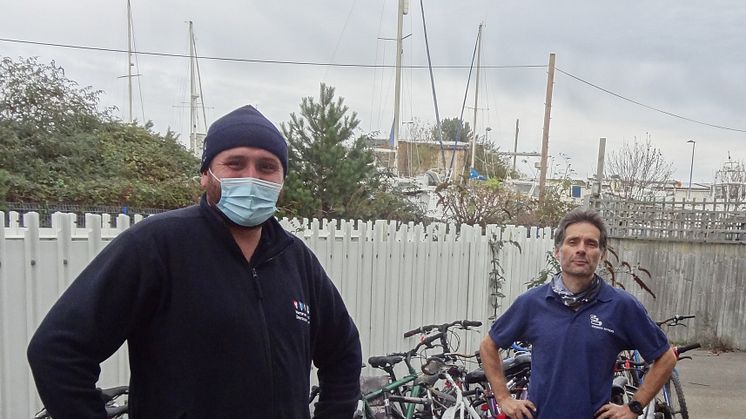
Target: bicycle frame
[(385, 390), (666, 390), (461, 405), (667, 387), (411, 376)]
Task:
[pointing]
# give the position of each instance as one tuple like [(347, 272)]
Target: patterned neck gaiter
[(575, 301)]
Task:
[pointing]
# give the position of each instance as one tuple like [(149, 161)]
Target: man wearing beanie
[(223, 311)]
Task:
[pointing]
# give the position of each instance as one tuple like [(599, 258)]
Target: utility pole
[(515, 145), (691, 170), (129, 56), (596, 190), (600, 167), (545, 135), (476, 96), (403, 9)]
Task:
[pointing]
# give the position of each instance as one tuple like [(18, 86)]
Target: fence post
[(4, 320), (31, 256), (93, 226)]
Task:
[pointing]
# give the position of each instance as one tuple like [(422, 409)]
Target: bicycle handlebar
[(678, 350), (425, 342), (428, 341), (681, 349), (443, 327), (675, 320)]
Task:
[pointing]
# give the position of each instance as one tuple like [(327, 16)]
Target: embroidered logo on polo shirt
[(302, 311), (596, 323)]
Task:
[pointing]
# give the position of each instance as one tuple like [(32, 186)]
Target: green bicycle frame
[(410, 377), (415, 392)]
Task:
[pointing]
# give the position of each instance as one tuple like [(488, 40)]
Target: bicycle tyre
[(677, 408)]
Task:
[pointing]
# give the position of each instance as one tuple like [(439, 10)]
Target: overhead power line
[(255, 60), (648, 106), (350, 65)]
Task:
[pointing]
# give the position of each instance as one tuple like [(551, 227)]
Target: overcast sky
[(683, 57)]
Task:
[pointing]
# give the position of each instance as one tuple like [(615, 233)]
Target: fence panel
[(392, 277), (704, 279)]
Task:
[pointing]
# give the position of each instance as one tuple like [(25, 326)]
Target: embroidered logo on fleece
[(596, 323), (302, 311)]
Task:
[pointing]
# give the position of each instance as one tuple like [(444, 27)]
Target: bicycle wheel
[(676, 407)]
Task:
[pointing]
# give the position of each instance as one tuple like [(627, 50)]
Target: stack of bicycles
[(630, 374), (444, 387)]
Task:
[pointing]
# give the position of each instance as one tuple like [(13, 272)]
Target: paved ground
[(714, 384)]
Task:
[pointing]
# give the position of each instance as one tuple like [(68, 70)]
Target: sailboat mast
[(476, 97), (129, 57), (397, 94), (193, 96)]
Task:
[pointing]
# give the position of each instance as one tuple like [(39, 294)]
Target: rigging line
[(410, 101), (341, 35), (648, 106), (487, 100), (199, 82), (411, 88), (137, 63), (381, 90), (263, 61), (373, 84), (463, 105), (435, 98)]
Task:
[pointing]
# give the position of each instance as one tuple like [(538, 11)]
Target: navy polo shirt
[(573, 352)]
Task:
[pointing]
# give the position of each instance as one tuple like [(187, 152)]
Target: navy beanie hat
[(244, 127)]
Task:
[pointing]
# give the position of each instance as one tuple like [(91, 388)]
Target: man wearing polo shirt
[(577, 325)]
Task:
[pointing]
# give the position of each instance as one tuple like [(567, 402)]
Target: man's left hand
[(614, 411)]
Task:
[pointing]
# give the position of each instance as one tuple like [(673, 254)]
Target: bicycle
[(675, 404), (436, 366), (671, 404), (445, 397), (517, 371), (401, 397), (398, 391), (114, 408)]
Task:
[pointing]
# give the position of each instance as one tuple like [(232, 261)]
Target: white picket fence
[(393, 277)]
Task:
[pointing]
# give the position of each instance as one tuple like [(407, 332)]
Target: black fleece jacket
[(209, 334)]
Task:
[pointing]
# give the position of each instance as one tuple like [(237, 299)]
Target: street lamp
[(691, 169)]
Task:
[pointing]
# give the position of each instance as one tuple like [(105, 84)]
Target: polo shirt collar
[(606, 293)]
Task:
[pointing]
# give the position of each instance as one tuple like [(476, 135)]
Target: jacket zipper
[(257, 285), (267, 344)]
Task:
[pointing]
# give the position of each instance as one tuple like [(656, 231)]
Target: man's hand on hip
[(518, 409), (615, 411)]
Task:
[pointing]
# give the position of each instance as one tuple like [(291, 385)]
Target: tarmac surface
[(714, 384)]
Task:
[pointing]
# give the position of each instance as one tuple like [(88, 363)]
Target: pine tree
[(330, 170)]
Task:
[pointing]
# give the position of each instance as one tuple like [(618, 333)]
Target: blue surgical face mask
[(247, 201)]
